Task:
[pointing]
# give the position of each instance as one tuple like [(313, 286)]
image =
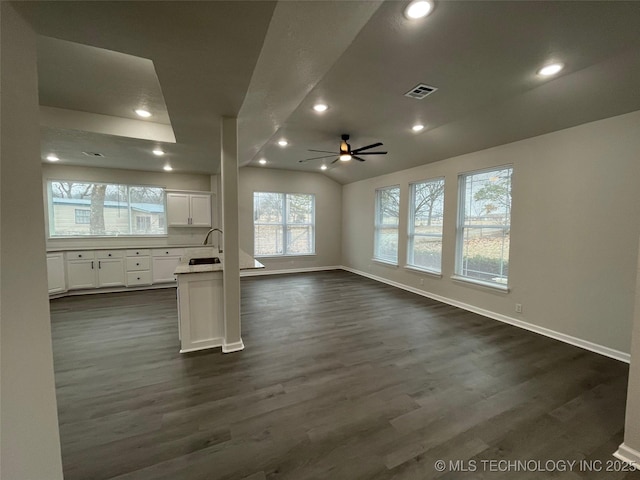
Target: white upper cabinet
[(188, 209)]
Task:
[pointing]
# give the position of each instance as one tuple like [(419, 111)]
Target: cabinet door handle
[(91, 264), (138, 278), (109, 254), (167, 253), (137, 264), (80, 256), (99, 264)]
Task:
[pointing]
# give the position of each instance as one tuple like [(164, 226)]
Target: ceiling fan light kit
[(346, 153)]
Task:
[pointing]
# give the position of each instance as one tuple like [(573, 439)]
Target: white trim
[(204, 345), (232, 347), (92, 291), (628, 455), (563, 337), (501, 287), (260, 272)]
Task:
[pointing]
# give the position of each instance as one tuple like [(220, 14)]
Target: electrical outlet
[(518, 308), (422, 282)]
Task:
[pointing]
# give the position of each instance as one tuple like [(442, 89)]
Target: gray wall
[(172, 181), (574, 236), (328, 213), (29, 441)]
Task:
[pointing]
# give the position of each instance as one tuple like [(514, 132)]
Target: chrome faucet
[(206, 239)]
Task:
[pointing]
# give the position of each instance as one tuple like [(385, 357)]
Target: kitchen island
[(201, 299)]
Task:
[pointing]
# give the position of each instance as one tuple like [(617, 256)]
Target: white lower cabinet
[(55, 273), (138, 267), (95, 269), (90, 269)]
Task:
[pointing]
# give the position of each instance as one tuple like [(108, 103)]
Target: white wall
[(328, 213), (29, 441), (574, 235), (172, 181)]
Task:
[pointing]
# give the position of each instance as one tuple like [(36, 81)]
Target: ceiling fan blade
[(323, 151), (358, 158), (315, 158), (373, 145), (335, 160), (370, 153)]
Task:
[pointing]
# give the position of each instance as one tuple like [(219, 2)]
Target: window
[(283, 224), (386, 224), (104, 209), (426, 212), (484, 225), (83, 217)]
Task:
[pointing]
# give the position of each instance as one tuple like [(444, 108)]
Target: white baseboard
[(578, 342), (232, 347), (93, 291), (259, 272), (628, 455)]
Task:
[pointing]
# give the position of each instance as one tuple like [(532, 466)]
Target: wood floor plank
[(342, 378)]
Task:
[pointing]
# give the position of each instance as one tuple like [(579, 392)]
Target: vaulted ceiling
[(268, 63)]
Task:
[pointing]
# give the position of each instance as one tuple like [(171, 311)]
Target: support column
[(231, 271), (629, 451)]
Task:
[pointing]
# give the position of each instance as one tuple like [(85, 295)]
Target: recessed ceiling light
[(417, 128), (141, 112), (52, 158), (320, 107), (550, 69), (167, 168), (418, 9), (158, 151), (323, 167), (345, 157), (262, 161), (283, 143)]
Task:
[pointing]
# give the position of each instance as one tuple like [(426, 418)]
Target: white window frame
[(49, 217), (411, 234), (378, 226), (498, 283), (285, 223)]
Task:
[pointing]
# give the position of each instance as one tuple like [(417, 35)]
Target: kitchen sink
[(204, 261)]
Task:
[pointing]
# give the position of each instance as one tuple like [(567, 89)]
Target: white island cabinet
[(188, 209), (201, 299)]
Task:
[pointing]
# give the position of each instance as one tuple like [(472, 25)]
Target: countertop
[(247, 262), (128, 247)]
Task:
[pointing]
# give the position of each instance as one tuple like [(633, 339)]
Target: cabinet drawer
[(139, 278), (138, 253), (167, 252), (81, 255), (138, 263), (109, 254)]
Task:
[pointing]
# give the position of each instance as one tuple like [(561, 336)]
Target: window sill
[(480, 283), (432, 273), (386, 263)]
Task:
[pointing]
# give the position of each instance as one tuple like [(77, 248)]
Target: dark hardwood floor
[(342, 378)]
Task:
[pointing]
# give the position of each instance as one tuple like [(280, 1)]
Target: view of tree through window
[(386, 224), (284, 223), (102, 209), (484, 225), (426, 215)]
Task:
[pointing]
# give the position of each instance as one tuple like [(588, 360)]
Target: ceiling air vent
[(420, 91), (93, 154)]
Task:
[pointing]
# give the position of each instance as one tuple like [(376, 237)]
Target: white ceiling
[(268, 63)]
